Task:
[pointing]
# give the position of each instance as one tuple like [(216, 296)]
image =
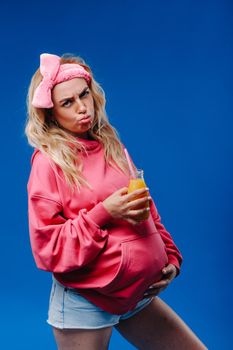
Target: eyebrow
[(70, 97)]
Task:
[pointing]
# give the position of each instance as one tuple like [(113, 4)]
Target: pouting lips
[(85, 120)]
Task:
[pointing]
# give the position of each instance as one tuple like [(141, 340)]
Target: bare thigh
[(159, 327), (82, 339)]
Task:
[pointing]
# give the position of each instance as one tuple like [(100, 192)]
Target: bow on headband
[(54, 73)]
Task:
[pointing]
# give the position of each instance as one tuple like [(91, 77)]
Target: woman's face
[(73, 106)]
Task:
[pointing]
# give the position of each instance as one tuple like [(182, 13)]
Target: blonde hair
[(61, 147)]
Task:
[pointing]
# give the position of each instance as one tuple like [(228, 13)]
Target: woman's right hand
[(123, 205)]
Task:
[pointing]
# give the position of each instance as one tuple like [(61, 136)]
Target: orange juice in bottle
[(135, 184)]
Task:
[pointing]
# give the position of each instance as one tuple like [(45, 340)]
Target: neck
[(85, 135)]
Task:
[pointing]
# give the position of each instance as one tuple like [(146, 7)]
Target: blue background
[(166, 68)]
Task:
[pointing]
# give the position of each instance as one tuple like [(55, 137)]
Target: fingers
[(137, 213), (156, 288), (144, 201), (124, 205), (170, 272), (141, 192), (123, 190), (130, 196), (169, 269), (135, 207), (160, 284), (136, 216)]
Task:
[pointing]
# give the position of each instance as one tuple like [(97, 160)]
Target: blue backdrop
[(166, 68)]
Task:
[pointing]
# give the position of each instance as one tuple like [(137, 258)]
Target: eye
[(67, 103), (84, 93)]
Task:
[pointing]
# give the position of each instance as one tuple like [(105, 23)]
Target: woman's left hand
[(169, 273)]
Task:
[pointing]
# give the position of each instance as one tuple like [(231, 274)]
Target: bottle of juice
[(135, 184)]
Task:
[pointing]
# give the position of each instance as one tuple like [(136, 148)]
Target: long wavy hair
[(63, 148)]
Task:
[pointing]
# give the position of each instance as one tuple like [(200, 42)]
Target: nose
[(81, 108)]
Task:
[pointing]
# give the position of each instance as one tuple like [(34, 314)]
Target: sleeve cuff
[(99, 215)]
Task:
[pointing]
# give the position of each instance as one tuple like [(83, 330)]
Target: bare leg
[(159, 327), (82, 339)]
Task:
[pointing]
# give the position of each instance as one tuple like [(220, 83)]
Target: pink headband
[(54, 73)]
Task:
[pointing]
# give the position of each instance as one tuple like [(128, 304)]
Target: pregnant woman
[(107, 261)]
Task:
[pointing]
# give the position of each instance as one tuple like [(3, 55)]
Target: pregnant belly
[(142, 260)]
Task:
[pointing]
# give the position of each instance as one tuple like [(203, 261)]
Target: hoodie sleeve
[(60, 244), (174, 255)]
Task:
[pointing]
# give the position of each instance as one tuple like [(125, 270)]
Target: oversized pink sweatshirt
[(109, 261)]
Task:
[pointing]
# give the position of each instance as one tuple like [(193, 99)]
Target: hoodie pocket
[(121, 271), (141, 263)]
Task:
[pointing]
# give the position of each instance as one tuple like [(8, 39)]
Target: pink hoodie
[(109, 261)]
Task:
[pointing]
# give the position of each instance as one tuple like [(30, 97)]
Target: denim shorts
[(68, 309)]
